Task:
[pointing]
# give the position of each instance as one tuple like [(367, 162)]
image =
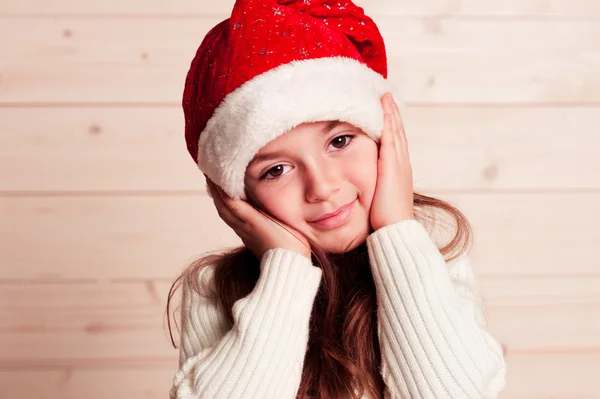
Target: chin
[(343, 248), (343, 241)]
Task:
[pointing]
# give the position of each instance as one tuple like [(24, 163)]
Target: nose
[(321, 182)]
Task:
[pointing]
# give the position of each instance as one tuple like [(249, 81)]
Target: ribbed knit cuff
[(267, 345), (288, 277), (435, 347), (410, 231)]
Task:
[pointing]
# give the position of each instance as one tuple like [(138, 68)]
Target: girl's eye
[(347, 139), (275, 171), (340, 143)]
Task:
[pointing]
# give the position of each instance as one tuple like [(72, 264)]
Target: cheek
[(285, 211), (363, 170)]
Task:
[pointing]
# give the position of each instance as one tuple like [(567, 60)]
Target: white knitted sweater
[(431, 328)]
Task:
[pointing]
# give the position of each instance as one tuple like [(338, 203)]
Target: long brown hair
[(343, 356)]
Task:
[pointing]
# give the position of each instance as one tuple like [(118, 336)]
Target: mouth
[(336, 218)]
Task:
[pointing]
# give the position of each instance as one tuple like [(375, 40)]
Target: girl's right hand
[(257, 230)]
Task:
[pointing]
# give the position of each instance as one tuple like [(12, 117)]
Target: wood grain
[(144, 61), (107, 237), (74, 383), (142, 149), (558, 375), (530, 376), (141, 237), (123, 324), (85, 324), (584, 9), (101, 207)]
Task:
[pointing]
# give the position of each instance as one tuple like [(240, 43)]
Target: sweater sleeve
[(261, 355), (431, 327)]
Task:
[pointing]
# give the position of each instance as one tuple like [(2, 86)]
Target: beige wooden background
[(101, 207)]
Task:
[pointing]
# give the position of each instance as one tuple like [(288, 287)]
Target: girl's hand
[(258, 231), (393, 198)]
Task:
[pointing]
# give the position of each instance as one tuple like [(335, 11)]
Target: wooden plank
[(124, 325), (95, 149), (555, 375), (141, 237), (144, 60), (68, 383), (85, 324), (544, 314), (406, 8), (530, 376), (107, 237), (128, 149)]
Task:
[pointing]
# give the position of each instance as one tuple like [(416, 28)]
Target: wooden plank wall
[(100, 206)]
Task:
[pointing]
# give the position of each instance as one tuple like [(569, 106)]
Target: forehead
[(301, 133), (297, 138)]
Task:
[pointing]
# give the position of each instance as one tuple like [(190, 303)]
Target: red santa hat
[(275, 64)]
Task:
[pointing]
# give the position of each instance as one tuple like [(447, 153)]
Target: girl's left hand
[(393, 198)]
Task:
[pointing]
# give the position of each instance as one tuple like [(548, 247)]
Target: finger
[(400, 131), (388, 101), (223, 209), (388, 144), (387, 124), (207, 181), (243, 212), (396, 137), (209, 188)]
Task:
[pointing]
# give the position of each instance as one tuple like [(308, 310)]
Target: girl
[(339, 290)]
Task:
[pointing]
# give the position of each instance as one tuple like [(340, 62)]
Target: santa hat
[(275, 64)]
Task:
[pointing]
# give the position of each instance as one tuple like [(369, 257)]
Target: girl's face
[(315, 169)]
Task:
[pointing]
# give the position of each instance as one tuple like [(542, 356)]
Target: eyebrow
[(325, 130)]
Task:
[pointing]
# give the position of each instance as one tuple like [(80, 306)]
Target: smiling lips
[(336, 219)]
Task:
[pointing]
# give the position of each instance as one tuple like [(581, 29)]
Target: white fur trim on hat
[(272, 103)]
